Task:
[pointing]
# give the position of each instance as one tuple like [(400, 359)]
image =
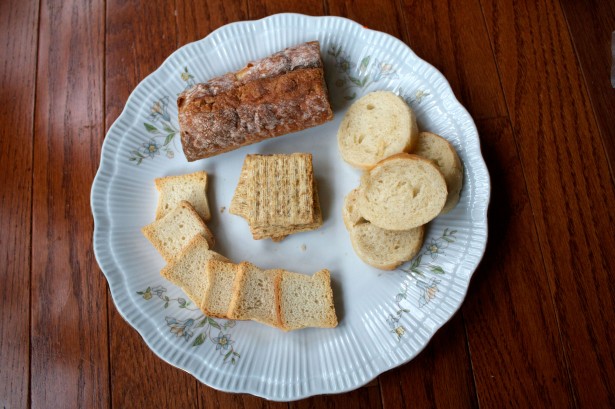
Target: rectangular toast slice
[(219, 292), (188, 269), (255, 296), (172, 233)]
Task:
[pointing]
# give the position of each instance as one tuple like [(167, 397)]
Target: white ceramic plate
[(385, 318)]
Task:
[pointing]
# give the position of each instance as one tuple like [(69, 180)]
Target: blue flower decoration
[(181, 329), (159, 110), (435, 247), (151, 148), (223, 341)]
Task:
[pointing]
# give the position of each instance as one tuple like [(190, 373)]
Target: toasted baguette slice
[(191, 188), (306, 301), (171, 234), (378, 125), (385, 249), (402, 192), (188, 270), (440, 151), (350, 211), (254, 295), (220, 278)]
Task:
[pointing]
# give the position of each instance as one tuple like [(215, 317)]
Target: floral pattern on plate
[(205, 326)]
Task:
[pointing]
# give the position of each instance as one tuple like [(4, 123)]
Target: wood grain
[(366, 397), (461, 51), (512, 329), (591, 24), (69, 350), (570, 193), (195, 20), (263, 8), (424, 381), (382, 15), (138, 378), (18, 50)]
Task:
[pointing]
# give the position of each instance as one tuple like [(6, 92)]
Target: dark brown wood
[(366, 397), (211, 398), (138, 378), (567, 175), (460, 50), (263, 8), (591, 24), (69, 350), (196, 19), (512, 328), (18, 45), (382, 16), (441, 376)]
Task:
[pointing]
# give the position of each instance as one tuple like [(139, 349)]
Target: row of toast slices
[(223, 289)]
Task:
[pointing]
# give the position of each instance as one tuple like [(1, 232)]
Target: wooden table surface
[(537, 328)]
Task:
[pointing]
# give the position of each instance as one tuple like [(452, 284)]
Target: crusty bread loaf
[(191, 187), (172, 233), (283, 93), (385, 249), (442, 153), (306, 301), (254, 295), (188, 269), (402, 192), (377, 126), (218, 294)]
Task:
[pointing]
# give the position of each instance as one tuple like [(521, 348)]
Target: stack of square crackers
[(277, 195)]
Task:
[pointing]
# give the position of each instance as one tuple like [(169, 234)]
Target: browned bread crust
[(280, 94)]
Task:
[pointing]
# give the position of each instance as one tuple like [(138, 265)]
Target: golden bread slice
[(218, 294), (441, 152), (402, 192), (306, 301), (254, 295), (376, 126), (172, 233), (191, 187), (188, 269)]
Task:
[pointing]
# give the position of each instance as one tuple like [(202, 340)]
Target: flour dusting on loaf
[(283, 93)]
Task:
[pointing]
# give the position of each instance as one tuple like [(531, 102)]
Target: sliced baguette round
[(441, 152), (385, 249), (402, 192), (378, 125), (350, 211)]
